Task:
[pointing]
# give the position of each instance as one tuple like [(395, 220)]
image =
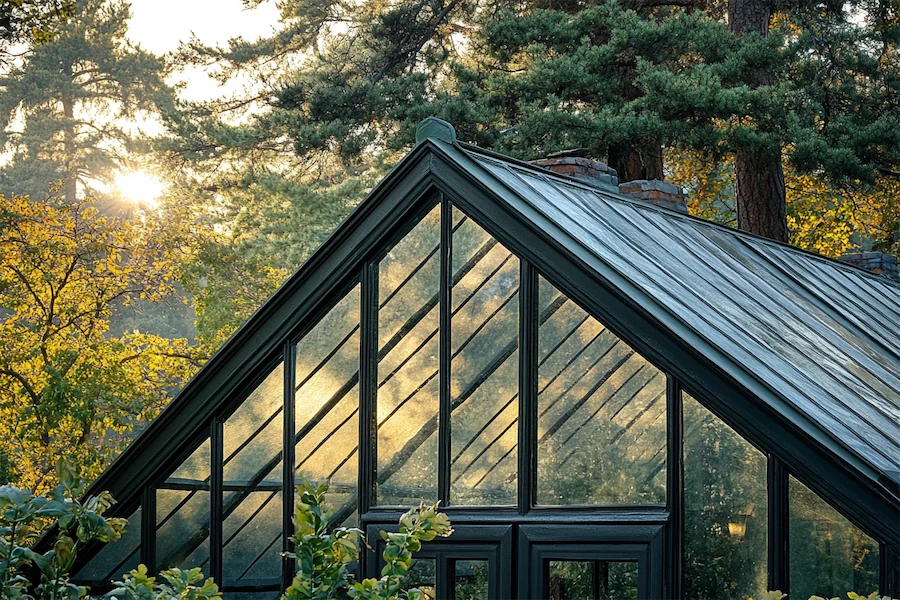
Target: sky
[(213, 21)]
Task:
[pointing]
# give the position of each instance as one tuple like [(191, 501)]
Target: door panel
[(475, 563), (599, 562)]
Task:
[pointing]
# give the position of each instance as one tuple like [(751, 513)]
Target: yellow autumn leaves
[(68, 387)]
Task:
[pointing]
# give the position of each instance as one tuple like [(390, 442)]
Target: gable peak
[(437, 129)]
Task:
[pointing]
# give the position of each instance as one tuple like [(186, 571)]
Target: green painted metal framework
[(441, 172)]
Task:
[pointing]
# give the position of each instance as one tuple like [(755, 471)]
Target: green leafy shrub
[(325, 555), (778, 595), (24, 517), (181, 585)]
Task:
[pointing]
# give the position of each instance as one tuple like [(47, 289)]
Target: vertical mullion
[(148, 528), (528, 364), (287, 493), (215, 500), (368, 372), (444, 577), (779, 518), (444, 340), (889, 567), (675, 486), (368, 368)]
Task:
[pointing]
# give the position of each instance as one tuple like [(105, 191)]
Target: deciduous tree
[(67, 388)]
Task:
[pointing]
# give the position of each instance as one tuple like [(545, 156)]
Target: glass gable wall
[(475, 381)]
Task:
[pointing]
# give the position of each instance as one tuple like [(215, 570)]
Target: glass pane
[(601, 412), (327, 405), (592, 580), (251, 501), (422, 575), (470, 580), (829, 555), (252, 435), (484, 367), (725, 509), (182, 514), (408, 378), (116, 558), (252, 536)]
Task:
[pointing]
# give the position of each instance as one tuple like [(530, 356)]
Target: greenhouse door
[(473, 564), (602, 562)]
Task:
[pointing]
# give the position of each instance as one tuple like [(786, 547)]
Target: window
[(252, 472), (116, 558), (592, 580), (326, 405), (601, 412), (829, 556), (484, 373), (182, 514), (407, 400), (725, 509), (471, 579)]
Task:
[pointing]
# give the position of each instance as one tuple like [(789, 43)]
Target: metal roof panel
[(822, 335)]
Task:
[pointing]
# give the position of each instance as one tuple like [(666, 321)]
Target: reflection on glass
[(725, 509), (326, 405), (422, 576), (115, 558), (251, 535), (182, 514), (470, 580), (252, 470), (408, 365), (252, 435), (592, 580), (484, 367), (601, 412), (829, 556)]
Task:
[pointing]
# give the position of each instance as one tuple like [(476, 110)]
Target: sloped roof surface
[(822, 335)]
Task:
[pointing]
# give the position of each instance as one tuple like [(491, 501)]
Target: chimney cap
[(573, 152)]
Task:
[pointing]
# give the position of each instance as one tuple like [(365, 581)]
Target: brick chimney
[(656, 191), (880, 263), (575, 163)]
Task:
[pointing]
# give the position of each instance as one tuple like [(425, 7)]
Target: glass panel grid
[(592, 580), (115, 558), (471, 579), (182, 514), (601, 412), (484, 372), (326, 405), (407, 398), (252, 441), (725, 509), (829, 556)]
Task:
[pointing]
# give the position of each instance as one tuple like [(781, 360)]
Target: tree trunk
[(759, 177), (759, 186), (639, 160), (71, 182)]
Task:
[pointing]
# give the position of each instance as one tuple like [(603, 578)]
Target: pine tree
[(621, 80), (65, 104)]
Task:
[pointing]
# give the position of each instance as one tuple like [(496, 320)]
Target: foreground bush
[(324, 554), (778, 595)]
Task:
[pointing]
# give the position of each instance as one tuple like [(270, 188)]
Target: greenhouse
[(609, 399)]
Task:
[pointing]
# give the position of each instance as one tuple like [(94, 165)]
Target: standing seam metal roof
[(823, 335)]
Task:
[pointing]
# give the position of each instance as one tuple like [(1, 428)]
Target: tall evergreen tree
[(67, 105), (621, 80)]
